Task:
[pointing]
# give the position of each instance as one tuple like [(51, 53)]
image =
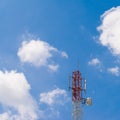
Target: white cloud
[(64, 54), (15, 96), (110, 30), (53, 100), (94, 62), (56, 96), (5, 116), (115, 71), (38, 53), (53, 67)]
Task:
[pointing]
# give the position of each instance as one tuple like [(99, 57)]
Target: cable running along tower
[(78, 88)]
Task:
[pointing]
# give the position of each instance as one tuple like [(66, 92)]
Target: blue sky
[(41, 42)]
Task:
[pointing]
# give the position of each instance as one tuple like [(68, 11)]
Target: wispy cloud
[(53, 99), (64, 54), (94, 62), (115, 71), (39, 53), (56, 96), (110, 30), (53, 67), (15, 96)]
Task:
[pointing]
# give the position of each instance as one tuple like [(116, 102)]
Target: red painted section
[(76, 86)]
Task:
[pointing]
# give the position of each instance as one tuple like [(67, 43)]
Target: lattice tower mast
[(77, 95), (78, 87)]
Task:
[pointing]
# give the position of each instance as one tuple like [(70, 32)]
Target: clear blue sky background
[(68, 25)]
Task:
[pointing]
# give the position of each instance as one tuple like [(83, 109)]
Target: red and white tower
[(78, 87)]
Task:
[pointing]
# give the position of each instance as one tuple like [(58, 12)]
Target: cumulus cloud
[(15, 96), (94, 62), (56, 96), (39, 53), (110, 30), (115, 70)]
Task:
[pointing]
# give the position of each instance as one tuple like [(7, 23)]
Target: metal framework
[(77, 95), (78, 87)]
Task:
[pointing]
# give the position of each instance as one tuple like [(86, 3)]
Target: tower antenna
[(78, 63), (78, 88)]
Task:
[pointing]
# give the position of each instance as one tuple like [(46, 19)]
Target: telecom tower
[(78, 87)]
